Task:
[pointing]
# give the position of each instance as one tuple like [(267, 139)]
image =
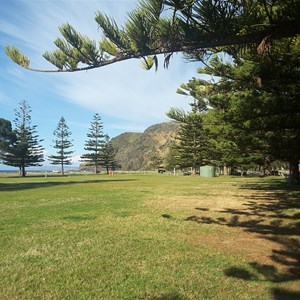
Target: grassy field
[(149, 237)]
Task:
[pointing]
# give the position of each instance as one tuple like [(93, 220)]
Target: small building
[(208, 171)]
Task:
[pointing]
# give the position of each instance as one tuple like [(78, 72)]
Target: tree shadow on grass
[(34, 185), (284, 294), (272, 212), (288, 257)]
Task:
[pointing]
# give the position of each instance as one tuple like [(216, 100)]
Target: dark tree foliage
[(108, 159), (7, 137), (94, 144), (167, 26), (62, 143), (253, 106), (26, 150), (192, 145)]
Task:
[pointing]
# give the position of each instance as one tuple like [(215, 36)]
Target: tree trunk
[(22, 171), (225, 170), (266, 166), (294, 170), (194, 170)]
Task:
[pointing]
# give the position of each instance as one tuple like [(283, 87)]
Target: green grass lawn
[(149, 237)]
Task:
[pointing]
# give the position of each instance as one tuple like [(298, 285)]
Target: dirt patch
[(238, 242)]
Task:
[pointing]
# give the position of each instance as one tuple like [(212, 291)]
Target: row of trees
[(246, 114), (251, 48), (21, 147)]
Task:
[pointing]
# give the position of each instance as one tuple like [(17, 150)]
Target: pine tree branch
[(197, 26)]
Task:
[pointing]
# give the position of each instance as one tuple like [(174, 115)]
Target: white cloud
[(124, 94), (126, 91), (40, 21)]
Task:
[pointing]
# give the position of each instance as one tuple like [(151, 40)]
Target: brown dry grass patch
[(254, 221)]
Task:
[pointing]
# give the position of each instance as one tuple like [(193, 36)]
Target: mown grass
[(148, 237)]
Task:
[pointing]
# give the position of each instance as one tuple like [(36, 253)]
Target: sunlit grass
[(131, 237)]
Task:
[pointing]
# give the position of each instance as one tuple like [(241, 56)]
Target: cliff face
[(147, 150)]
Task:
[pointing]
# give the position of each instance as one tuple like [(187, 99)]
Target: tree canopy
[(108, 156), (62, 143), (253, 105), (94, 144), (194, 27), (23, 149)]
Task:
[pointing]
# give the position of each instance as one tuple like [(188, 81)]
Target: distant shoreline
[(36, 171)]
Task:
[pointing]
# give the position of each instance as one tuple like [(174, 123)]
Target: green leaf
[(71, 35), (112, 32), (57, 58), (86, 52), (177, 114), (182, 92), (89, 52), (17, 56), (148, 62), (167, 60), (152, 9), (108, 46)]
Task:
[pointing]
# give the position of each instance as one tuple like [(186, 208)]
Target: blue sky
[(127, 97)]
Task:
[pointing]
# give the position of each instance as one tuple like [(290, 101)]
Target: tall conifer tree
[(94, 144), (192, 138), (62, 144), (26, 150), (108, 160)]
